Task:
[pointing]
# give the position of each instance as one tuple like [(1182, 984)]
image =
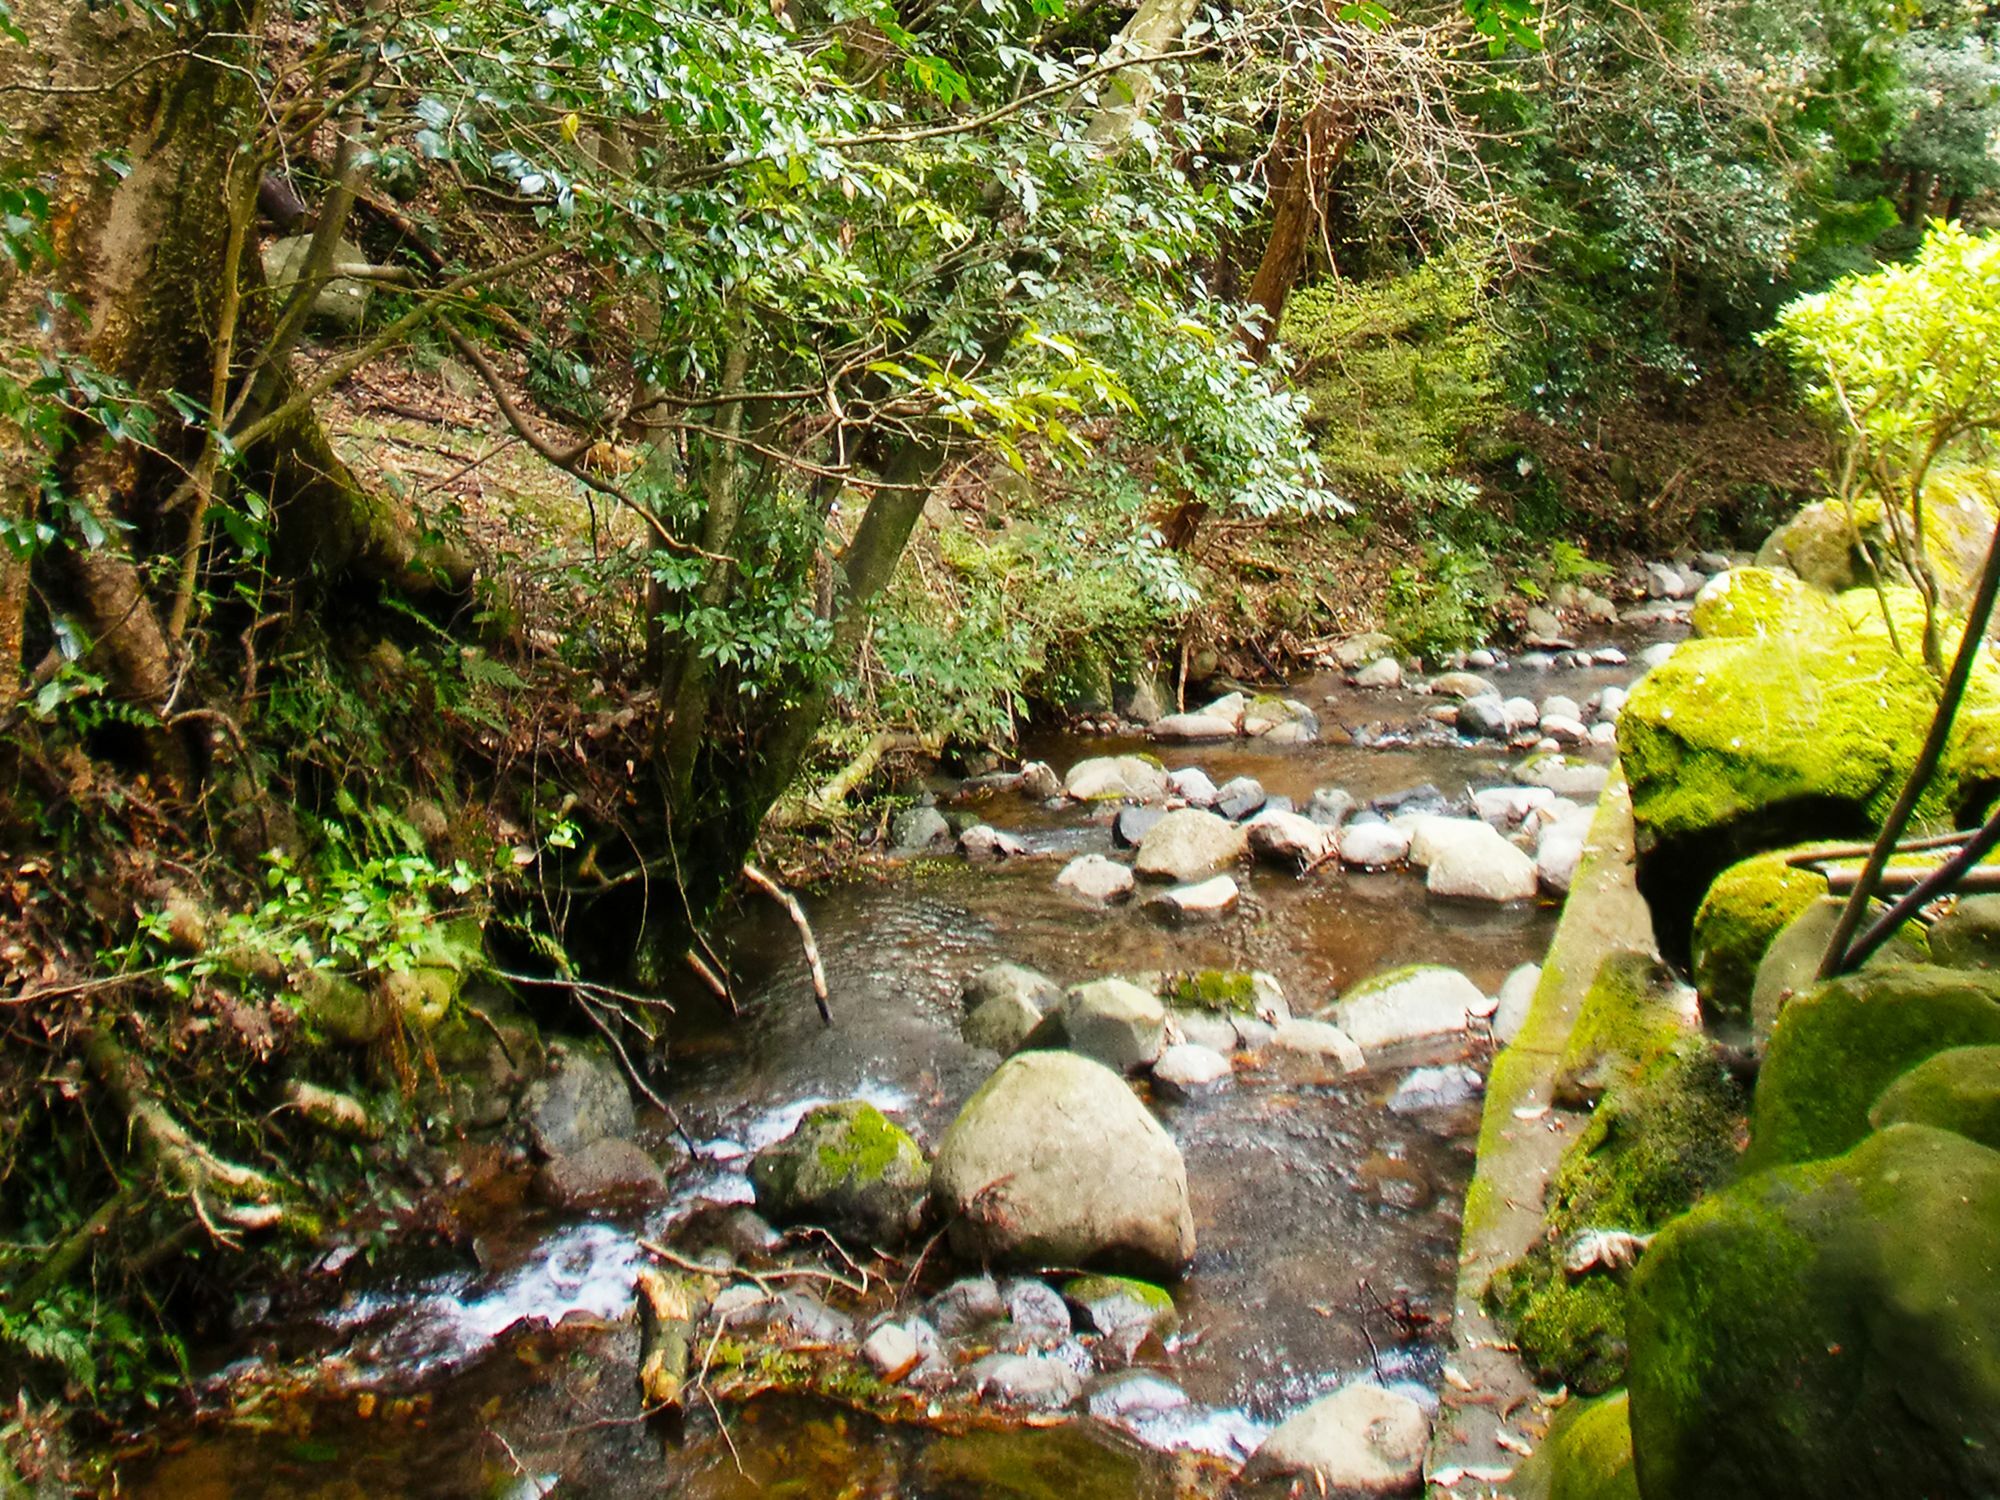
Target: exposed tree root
[(666, 1339), (221, 1192)]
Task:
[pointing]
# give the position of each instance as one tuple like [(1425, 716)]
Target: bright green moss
[(1837, 1046), (1663, 1137), (1727, 728), (1626, 1021), (1749, 905), (1231, 990), (1588, 1453), (1957, 1090), (1759, 602)]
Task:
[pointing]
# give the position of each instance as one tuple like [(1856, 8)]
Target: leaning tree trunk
[(141, 139), (1302, 162)]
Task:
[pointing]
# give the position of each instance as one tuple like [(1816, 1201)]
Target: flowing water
[(1327, 1226)]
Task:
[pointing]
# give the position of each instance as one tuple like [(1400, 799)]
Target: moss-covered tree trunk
[(141, 139)]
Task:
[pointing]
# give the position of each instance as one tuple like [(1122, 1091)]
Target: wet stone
[(892, 1352), (982, 841), (1193, 786), (1201, 1029), (1009, 979), (1026, 1382), (1133, 824), (1001, 1024), (1363, 1440), (966, 1306), (1239, 797), (1127, 1395), (1330, 806), (583, 1099), (607, 1173), (1436, 1088), (919, 828), (1093, 878), (1187, 1069), (1037, 1316), (1193, 903), (1111, 1305)]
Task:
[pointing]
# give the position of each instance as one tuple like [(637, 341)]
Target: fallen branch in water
[(666, 1338), (709, 978), (790, 903)]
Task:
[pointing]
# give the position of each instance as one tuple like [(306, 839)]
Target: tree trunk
[(1301, 167), (137, 275)]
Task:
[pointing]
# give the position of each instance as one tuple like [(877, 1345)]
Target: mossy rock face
[(1761, 602), (1586, 1456), (1968, 937), (1840, 1044), (1826, 1329), (1957, 1090), (1230, 991), (1662, 1137), (1820, 545), (1748, 905), (1114, 1304), (1726, 730), (336, 1009), (847, 1168), (1790, 966), (1628, 1019)]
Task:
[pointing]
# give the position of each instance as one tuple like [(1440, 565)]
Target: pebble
[(1032, 1382), (1240, 796), (1373, 846), (1209, 898), (983, 841), (967, 1305), (892, 1352), (1192, 785), (1320, 1039)]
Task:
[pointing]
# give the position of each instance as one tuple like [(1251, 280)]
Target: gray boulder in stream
[(847, 1168), (1054, 1161), (1191, 845), (582, 1100)]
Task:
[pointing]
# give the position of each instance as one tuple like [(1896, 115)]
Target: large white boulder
[(1054, 1161), (1407, 1005), (1481, 867), (1114, 778), (1190, 844)]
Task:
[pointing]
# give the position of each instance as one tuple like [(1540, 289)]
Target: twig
[(709, 978), (1824, 853), (790, 903), (759, 1279)]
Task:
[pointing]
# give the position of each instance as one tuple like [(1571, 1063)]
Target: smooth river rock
[(996, 980), (1288, 838), (1190, 844), (581, 1100), (1093, 878), (1113, 1021), (1362, 1440), (1373, 846), (1130, 778), (1054, 1161), (1482, 867), (1407, 1005), (1187, 1068), (1197, 902)]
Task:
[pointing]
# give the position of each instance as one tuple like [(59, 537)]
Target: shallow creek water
[(509, 1371)]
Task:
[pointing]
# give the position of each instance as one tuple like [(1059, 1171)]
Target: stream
[(1327, 1225)]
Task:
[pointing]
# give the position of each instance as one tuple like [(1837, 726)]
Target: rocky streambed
[(1200, 1225)]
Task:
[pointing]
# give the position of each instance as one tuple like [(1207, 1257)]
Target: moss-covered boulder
[(1630, 1016), (1821, 544), (1119, 1304), (1838, 1045), (848, 1168), (1661, 1138), (1791, 964), (1229, 991), (1749, 904), (1727, 730), (1586, 1456), (1957, 1090), (1826, 1329), (1761, 602)]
